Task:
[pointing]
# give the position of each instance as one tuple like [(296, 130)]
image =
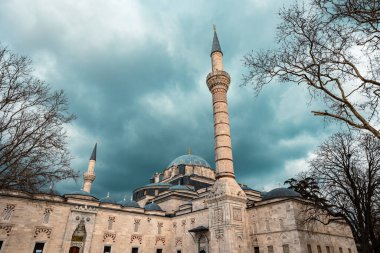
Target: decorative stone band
[(7, 228)]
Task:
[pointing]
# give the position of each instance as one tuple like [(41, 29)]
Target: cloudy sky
[(134, 73)]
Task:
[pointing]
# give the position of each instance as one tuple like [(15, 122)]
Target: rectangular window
[(38, 247), (135, 250), (285, 248), (340, 250), (107, 249), (328, 249), (158, 250), (319, 249), (270, 249), (309, 249), (257, 250)]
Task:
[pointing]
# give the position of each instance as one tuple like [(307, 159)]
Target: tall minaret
[(218, 82), (89, 176), (226, 200)]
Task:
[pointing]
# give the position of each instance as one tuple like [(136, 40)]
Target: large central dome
[(189, 160)]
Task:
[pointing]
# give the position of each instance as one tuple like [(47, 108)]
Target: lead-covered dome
[(189, 160), (281, 193)]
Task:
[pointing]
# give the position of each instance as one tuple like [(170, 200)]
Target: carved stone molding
[(136, 237), (178, 241), (137, 221), (107, 235), (42, 230), (183, 223), (160, 239), (218, 216), (7, 228), (219, 234), (236, 214), (7, 212), (192, 220), (174, 224), (85, 208)]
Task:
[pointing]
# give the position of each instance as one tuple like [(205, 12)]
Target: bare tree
[(332, 47), (343, 184), (33, 151)]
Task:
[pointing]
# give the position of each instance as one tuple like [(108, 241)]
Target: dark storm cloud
[(134, 74)]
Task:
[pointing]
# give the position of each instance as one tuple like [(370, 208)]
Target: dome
[(129, 203), (81, 192), (108, 199), (281, 193), (152, 207), (181, 188), (189, 160)]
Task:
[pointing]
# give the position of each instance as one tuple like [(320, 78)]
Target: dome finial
[(188, 151), (108, 194)]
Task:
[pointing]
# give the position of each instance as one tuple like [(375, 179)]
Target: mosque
[(188, 207)]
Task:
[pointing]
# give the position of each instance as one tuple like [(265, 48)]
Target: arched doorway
[(78, 238), (203, 244)]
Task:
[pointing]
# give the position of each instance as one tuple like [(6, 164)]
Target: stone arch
[(203, 244), (78, 238)]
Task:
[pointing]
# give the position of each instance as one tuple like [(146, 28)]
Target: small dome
[(189, 160), (281, 193), (108, 199), (152, 207), (181, 188), (129, 203)]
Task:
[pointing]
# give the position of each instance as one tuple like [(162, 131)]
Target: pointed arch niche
[(78, 238)]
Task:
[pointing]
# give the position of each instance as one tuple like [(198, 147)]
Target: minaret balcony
[(88, 176), (218, 78)]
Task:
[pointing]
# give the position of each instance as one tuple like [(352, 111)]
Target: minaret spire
[(89, 176), (215, 43)]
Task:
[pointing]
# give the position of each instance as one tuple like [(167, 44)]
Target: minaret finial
[(108, 194), (214, 27), (188, 151)]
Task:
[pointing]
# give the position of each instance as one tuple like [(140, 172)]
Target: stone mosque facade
[(189, 207)]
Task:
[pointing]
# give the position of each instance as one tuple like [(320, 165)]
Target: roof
[(152, 207), (215, 44), (129, 203), (181, 188), (189, 160), (281, 193), (93, 154), (159, 184), (199, 229)]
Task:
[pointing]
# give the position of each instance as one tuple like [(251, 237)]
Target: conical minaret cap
[(93, 154), (215, 44)]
